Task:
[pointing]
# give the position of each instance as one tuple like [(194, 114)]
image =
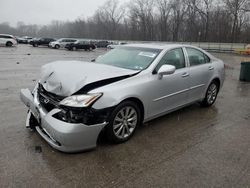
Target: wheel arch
[(139, 103), (7, 42), (217, 80)]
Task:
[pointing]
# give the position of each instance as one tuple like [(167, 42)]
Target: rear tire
[(57, 46), (211, 94), (9, 44), (35, 45), (123, 122)]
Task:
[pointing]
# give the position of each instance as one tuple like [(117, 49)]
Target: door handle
[(211, 68), (185, 74)]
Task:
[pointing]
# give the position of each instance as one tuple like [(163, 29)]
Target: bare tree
[(164, 11), (165, 20), (237, 9), (204, 8), (192, 19), (110, 15), (178, 11), (141, 13)]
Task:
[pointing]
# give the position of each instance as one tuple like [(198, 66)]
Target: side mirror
[(166, 70)]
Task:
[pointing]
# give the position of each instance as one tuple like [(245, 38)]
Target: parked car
[(102, 44), (32, 40), (24, 40), (74, 101), (7, 40), (80, 44), (112, 46), (61, 43), (41, 42)]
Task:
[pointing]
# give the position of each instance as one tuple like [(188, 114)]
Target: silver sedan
[(74, 101)]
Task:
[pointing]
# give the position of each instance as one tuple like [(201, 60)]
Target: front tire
[(32, 121), (9, 44), (57, 46), (123, 122), (211, 94)]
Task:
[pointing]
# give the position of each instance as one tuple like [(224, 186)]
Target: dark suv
[(41, 42), (80, 44), (102, 44)]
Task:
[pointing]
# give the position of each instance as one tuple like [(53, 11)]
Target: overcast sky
[(44, 11)]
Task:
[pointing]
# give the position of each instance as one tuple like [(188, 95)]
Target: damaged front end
[(65, 128), (60, 107), (68, 113)]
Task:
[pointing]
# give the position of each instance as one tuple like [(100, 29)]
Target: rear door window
[(196, 57)]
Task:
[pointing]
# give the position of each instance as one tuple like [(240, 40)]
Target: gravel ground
[(192, 147)]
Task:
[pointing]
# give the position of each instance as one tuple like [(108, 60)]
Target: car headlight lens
[(80, 101)]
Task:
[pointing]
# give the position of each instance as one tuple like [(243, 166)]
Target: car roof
[(160, 46), (82, 40), (7, 35), (67, 39)]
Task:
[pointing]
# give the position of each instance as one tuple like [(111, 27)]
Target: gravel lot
[(192, 147)]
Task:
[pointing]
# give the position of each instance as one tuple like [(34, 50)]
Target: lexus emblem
[(46, 101)]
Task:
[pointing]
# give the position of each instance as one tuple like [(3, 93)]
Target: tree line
[(153, 20)]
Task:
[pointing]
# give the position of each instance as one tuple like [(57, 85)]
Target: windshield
[(129, 57)]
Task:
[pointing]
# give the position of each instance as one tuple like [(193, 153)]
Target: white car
[(7, 40), (60, 43), (74, 101), (112, 46)]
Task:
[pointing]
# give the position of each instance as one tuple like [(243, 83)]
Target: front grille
[(48, 100)]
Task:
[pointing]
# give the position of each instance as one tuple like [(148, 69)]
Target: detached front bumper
[(63, 136)]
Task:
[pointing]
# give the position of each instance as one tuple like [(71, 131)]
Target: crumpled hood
[(64, 78)]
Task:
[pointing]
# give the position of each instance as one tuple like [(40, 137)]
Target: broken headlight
[(80, 101)]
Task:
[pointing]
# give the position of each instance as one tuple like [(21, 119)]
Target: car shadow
[(168, 121)]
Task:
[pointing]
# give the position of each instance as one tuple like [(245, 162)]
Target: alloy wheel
[(125, 122), (212, 93)]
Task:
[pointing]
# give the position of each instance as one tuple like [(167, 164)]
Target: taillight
[(14, 38)]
